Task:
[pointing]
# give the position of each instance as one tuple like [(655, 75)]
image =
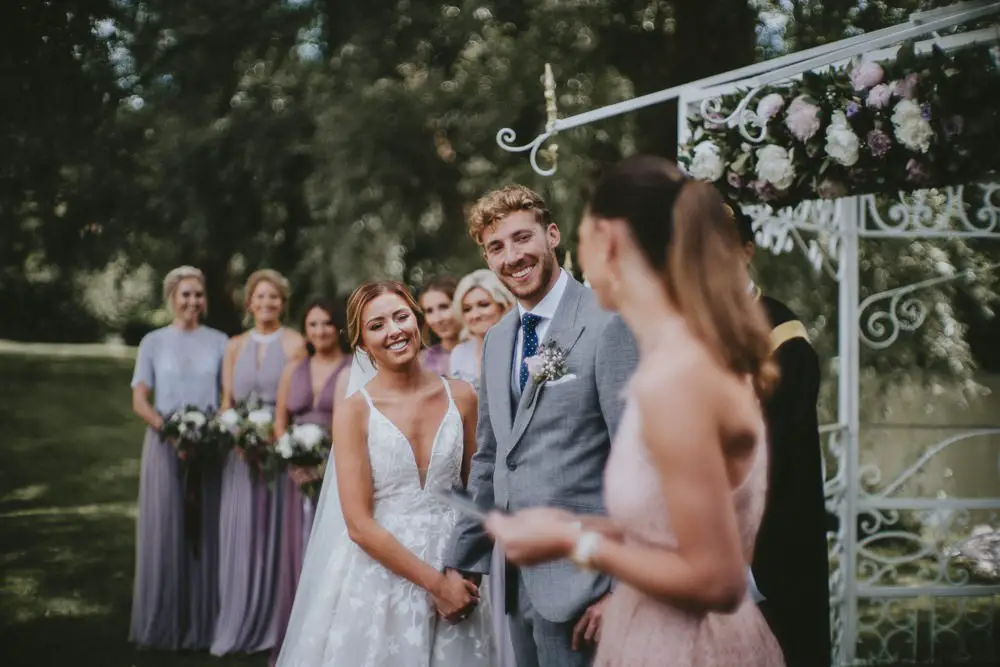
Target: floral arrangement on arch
[(920, 121)]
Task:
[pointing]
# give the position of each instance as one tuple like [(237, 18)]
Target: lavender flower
[(734, 180), (925, 111), (917, 172), (852, 109), (879, 143)]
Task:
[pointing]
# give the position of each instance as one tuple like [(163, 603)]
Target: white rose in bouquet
[(230, 420), (259, 417), (195, 418), (309, 436), (775, 165), (284, 446), (707, 164)]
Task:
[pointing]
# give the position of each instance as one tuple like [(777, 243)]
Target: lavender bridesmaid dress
[(298, 513), (435, 358), (250, 521), (175, 598)]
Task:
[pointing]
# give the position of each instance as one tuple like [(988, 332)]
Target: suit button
[(511, 465)]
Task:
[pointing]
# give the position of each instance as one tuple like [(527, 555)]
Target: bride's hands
[(454, 596)]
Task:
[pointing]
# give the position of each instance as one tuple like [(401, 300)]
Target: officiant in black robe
[(791, 565)]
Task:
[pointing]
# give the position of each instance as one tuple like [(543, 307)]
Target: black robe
[(791, 565)]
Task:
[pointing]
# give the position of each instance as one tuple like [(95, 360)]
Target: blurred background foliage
[(341, 141)]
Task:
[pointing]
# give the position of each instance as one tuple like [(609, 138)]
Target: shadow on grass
[(68, 486)]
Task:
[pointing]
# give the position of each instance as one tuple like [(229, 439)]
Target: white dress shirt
[(545, 309)]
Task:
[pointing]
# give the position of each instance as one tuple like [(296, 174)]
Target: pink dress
[(641, 631)]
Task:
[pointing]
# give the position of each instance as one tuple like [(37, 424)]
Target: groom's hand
[(588, 628), (474, 577)]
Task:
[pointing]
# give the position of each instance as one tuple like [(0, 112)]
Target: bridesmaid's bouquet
[(190, 431), (254, 442), (305, 446)]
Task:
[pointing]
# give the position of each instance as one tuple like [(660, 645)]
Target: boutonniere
[(548, 365)]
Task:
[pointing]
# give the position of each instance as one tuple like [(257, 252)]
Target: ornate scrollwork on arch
[(971, 211), (783, 230), (752, 127), (881, 326), (506, 138)]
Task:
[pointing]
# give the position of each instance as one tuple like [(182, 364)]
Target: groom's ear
[(553, 235)]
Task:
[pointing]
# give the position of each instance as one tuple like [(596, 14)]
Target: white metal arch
[(830, 232)]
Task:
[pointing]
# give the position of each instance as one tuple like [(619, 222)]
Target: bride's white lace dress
[(353, 612)]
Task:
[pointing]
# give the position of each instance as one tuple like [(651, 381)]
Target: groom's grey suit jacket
[(550, 449)]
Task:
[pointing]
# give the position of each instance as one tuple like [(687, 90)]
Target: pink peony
[(866, 76), (802, 119), (769, 107), (879, 96)]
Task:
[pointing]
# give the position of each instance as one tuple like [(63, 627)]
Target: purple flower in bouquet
[(917, 172), (734, 180), (879, 96), (765, 190), (953, 126), (879, 143), (867, 75), (852, 109), (925, 111)]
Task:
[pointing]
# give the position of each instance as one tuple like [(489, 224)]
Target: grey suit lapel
[(564, 331), (497, 374)]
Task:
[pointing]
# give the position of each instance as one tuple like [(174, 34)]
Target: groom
[(543, 438)]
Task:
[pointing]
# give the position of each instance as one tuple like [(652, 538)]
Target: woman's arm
[(233, 348), (354, 482), (281, 416), (468, 407), (142, 407)]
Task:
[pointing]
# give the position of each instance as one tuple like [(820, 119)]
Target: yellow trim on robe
[(787, 331)]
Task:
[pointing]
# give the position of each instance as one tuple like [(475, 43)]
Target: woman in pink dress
[(444, 328), (686, 479)]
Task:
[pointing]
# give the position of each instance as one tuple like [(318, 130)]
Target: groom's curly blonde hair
[(495, 206)]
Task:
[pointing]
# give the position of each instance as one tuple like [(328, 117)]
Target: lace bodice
[(395, 476)]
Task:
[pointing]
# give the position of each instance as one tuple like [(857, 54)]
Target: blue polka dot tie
[(529, 323)]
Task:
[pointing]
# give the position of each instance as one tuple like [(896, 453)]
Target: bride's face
[(391, 332)]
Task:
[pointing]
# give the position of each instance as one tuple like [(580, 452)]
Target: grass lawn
[(68, 486)]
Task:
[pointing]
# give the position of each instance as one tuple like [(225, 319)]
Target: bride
[(372, 592)]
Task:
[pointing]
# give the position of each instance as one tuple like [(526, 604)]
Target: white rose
[(308, 435), (912, 130), (841, 142), (774, 165), (230, 419), (769, 106), (707, 164), (259, 417), (195, 418), (284, 446)]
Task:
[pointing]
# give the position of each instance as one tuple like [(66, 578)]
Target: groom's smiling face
[(522, 254)]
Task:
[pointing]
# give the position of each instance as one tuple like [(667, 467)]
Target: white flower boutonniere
[(548, 365)]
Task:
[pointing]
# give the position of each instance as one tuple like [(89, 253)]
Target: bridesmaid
[(175, 598), (480, 301), (436, 301), (251, 511), (307, 394)]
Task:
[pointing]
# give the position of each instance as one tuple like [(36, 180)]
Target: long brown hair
[(684, 230), (368, 292)]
